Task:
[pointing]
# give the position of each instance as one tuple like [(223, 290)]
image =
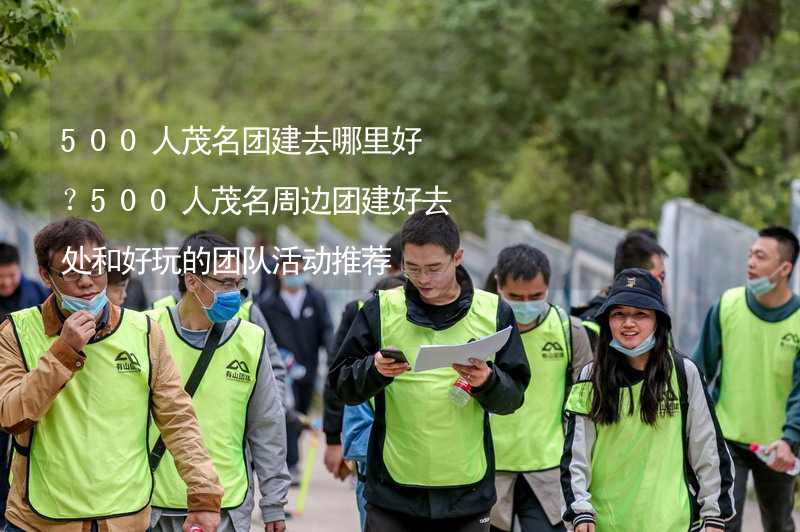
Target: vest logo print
[(237, 371), (552, 351), (669, 405), (791, 340), (127, 363)]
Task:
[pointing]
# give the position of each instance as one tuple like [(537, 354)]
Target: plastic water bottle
[(460, 392), (768, 457)]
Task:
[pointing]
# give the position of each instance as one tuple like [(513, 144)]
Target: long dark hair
[(657, 396)]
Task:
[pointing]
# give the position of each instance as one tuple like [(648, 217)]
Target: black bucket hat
[(635, 287)]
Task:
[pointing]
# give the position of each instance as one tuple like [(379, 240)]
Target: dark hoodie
[(355, 378)]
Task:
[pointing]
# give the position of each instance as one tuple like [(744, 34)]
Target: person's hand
[(476, 374), (275, 526), (714, 529), (388, 367), (78, 329), (585, 527), (208, 521), (334, 460), (784, 457)]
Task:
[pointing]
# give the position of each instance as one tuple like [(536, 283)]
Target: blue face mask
[(528, 311), (224, 306), (639, 350), (74, 304), (760, 286), (294, 281)]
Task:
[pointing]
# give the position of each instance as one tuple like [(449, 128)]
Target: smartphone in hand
[(394, 354)]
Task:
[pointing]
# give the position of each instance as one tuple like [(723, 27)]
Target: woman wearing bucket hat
[(643, 448)]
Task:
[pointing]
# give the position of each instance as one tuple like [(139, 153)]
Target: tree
[(32, 32)]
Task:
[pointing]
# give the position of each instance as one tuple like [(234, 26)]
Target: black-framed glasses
[(71, 276), (415, 272), (230, 284)]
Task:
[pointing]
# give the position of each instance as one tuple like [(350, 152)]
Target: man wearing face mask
[(79, 379), (237, 399), (748, 350), (529, 442), (430, 464), (297, 314)]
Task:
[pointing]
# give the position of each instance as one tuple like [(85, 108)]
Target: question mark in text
[(71, 197)]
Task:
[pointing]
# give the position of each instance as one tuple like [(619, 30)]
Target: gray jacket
[(265, 449), (711, 476)]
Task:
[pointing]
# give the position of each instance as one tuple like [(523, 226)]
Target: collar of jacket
[(417, 309)]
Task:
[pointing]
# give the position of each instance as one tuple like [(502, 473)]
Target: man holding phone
[(430, 464)]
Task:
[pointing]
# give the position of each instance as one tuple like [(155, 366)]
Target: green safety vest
[(532, 438), (88, 457), (756, 376), (220, 402), (592, 326), (244, 309), (164, 302), (430, 441), (637, 480)]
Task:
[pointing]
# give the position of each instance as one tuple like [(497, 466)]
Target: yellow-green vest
[(637, 480), (532, 438), (164, 302), (220, 402), (757, 366), (430, 441), (88, 455)]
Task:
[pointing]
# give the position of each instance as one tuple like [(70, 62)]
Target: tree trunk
[(731, 124)]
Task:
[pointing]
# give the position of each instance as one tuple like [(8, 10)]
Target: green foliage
[(32, 32), (547, 106)]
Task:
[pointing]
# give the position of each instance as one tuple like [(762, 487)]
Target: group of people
[(591, 420)]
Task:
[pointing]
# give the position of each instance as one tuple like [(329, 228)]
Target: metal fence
[(707, 255), (502, 231), (592, 260)]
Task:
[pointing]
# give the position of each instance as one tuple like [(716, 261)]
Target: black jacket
[(589, 311), (304, 336), (333, 406), (355, 379)]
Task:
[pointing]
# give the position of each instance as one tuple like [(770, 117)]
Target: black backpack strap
[(191, 385)]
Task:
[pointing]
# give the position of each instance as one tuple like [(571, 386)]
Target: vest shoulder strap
[(566, 326), (191, 384)]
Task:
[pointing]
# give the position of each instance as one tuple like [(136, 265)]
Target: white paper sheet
[(443, 356)]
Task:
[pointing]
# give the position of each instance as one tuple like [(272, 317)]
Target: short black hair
[(636, 250), (438, 229), (521, 262), (206, 240), (787, 242), (644, 231), (117, 275), (389, 282), (490, 284), (70, 232), (9, 254), (395, 251)]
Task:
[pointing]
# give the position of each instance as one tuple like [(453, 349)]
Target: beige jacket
[(26, 396)]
